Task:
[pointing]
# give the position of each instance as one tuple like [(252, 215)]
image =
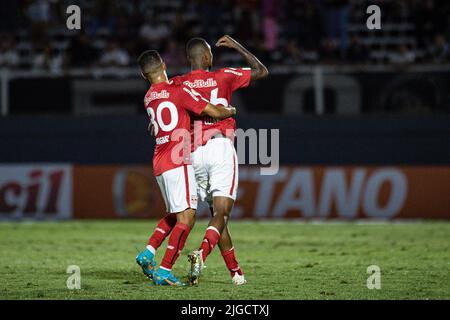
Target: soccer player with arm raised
[(214, 159)]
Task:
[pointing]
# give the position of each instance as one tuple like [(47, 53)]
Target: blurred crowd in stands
[(33, 33)]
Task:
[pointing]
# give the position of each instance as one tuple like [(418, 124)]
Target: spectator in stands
[(123, 29), (329, 51), (292, 54), (311, 27), (430, 19), (311, 30), (292, 16), (181, 30), (45, 58), (403, 55), (260, 49), (9, 16), (336, 17), (39, 11), (357, 52), (102, 18), (246, 20), (174, 54), (270, 15), (80, 52), (9, 55), (114, 56), (211, 13), (153, 32), (39, 14), (401, 10), (439, 51)]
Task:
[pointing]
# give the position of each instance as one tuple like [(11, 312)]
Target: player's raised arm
[(218, 112), (259, 70)]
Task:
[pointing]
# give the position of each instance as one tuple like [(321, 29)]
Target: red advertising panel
[(116, 192), (40, 191), (316, 192), (345, 192)]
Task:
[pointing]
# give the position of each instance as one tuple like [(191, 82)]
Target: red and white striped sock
[(175, 244), (231, 262), (210, 240), (161, 231)]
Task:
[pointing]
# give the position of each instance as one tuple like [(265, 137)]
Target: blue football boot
[(163, 277), (147, 263)]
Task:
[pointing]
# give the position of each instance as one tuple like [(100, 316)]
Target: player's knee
[(223, 209), (187, 217), (191, 222)]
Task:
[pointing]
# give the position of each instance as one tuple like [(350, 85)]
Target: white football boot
[(196, 260), (238, 280)]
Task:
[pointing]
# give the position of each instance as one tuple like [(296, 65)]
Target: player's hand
[(233, 110), (227, 42)]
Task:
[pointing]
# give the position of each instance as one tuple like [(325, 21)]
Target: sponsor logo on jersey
[(200, 83), (156, 95)]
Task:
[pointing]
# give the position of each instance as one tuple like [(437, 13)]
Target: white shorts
[(216, 169), (178, 188)]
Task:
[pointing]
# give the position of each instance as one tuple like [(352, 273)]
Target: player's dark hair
[(149, 61), (195, 46)]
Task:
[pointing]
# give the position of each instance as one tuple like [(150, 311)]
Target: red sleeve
[(238, 77), (192, 100)]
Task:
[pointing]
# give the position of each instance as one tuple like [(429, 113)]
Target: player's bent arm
[(259, 70), (218, 112)]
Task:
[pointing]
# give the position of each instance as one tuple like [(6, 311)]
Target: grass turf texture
[(281, 260)]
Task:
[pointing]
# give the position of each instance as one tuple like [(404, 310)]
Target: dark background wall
[(391, 92), (303, 139)]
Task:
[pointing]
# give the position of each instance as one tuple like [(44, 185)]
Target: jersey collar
[(159, 85)]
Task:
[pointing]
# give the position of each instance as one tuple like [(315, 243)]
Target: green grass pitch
[(282, 260)]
